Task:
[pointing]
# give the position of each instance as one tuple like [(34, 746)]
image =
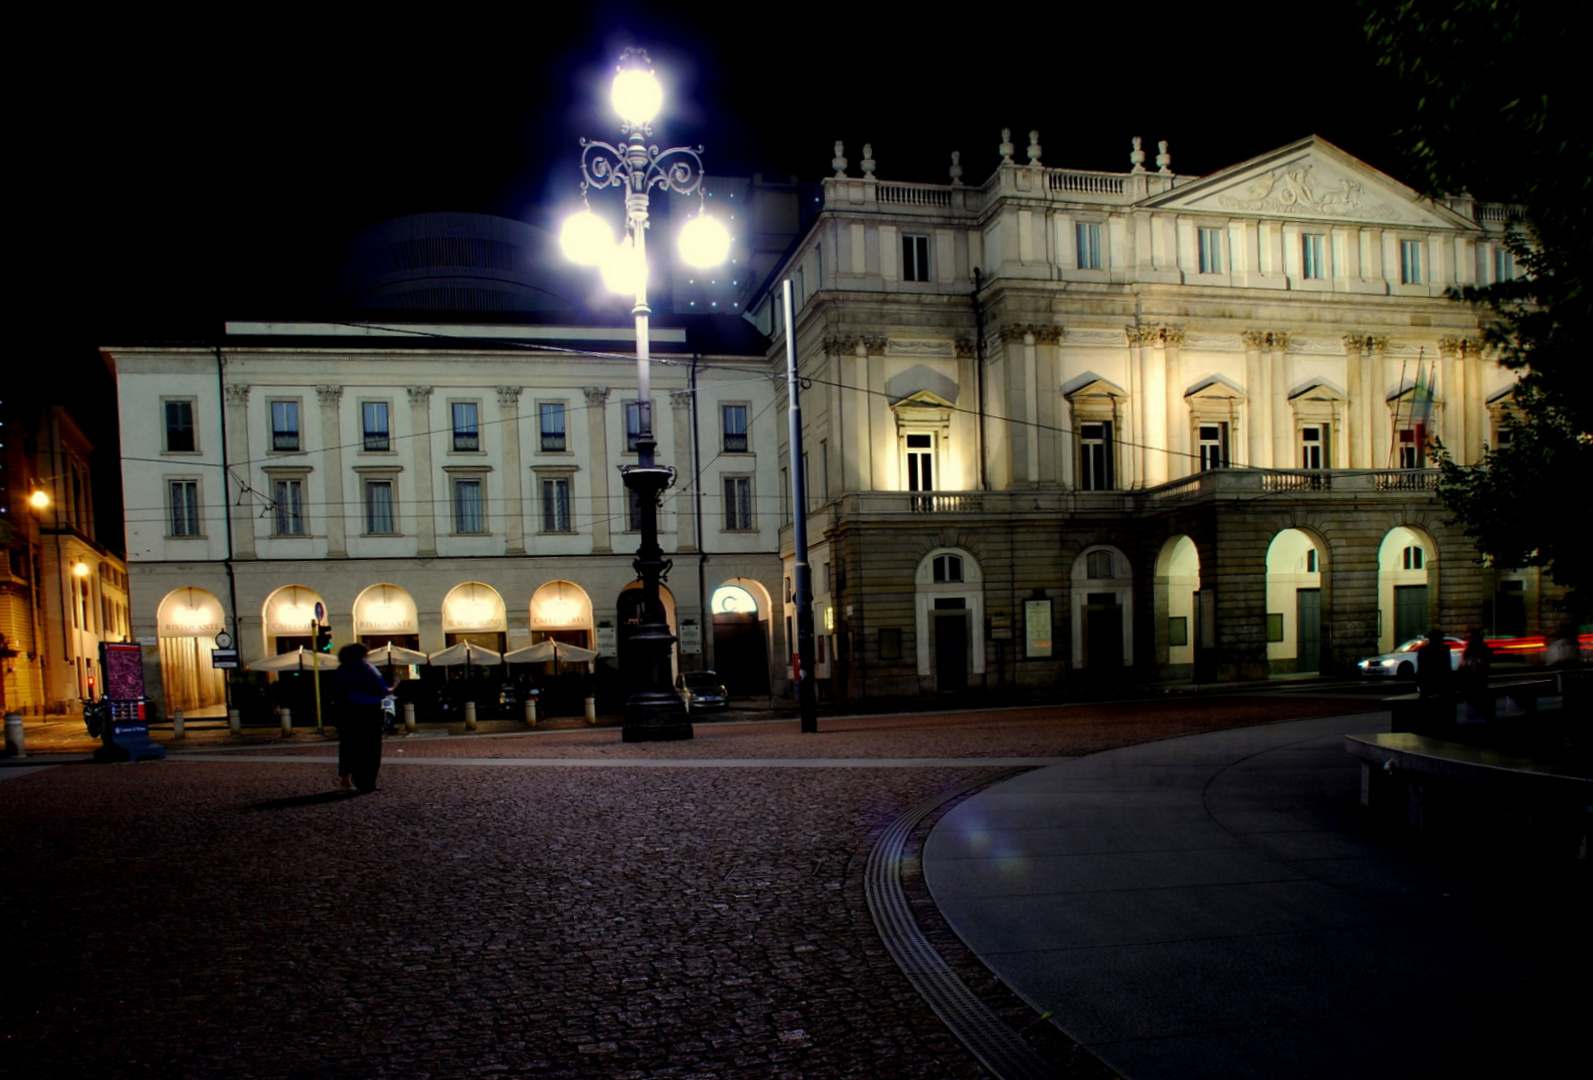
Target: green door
[(1410, 612), (1308, 630)]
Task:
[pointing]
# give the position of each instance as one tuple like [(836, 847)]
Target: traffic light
[(323, 639)]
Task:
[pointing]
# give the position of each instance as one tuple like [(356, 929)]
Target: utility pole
[(807, 699)]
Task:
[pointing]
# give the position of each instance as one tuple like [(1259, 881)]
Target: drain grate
[(995, 1044)]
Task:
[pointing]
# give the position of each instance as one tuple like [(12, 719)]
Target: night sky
[(190, 173)]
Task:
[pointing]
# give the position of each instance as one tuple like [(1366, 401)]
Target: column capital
[(596, 396), (680, 400), (237, 393), (329, 396), (1450, 346), (419, 395), (509, 396)]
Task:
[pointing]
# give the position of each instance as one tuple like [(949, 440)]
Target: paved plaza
[(550, 904)]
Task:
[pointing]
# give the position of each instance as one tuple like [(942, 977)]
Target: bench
[(1434, 783)]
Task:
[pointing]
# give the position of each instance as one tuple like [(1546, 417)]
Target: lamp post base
[(651, 716)]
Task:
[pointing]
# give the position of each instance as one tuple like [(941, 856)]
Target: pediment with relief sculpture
[(1310, 179)]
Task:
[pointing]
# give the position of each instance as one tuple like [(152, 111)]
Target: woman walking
[(360, 689)]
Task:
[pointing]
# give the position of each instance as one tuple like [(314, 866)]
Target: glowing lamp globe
[(636, 95), (587, 239), (704, 242), (623, 272)]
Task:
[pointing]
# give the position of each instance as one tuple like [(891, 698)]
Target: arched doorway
[(1294, 603), (1406, 607), (628, 612), (741, 639), (561, 611), (1177, 587), (187, 623), (950, 610), (289, 618), (1103, 611), (386, 613)]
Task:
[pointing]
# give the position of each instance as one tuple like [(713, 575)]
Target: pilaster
[(330, 398), (243, 523), (513, 482), (425, 506), (597, 442), (685, 497)]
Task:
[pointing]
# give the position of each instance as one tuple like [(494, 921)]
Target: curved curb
[(985, 1035)]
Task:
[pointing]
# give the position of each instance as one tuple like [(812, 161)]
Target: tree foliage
[(1485, 90)]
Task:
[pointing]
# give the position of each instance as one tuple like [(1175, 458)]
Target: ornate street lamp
[(654, 712)]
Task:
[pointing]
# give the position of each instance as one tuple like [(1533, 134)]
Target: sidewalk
[(1212, 906)]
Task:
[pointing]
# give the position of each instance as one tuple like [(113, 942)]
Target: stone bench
[(1440, 713), (1435, 783)]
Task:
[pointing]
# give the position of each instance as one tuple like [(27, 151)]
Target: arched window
[(1413, 558), (947, 568)]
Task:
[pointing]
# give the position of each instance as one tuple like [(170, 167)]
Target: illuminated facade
[(429, 483), (1074, 424)]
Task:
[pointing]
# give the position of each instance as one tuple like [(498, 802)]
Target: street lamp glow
[(39, 499), (587, 239), (80, 568), (636, 95), (623, 271), (704, 242)]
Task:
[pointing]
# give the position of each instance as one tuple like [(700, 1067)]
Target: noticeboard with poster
[(123, 665), (1037, 627)]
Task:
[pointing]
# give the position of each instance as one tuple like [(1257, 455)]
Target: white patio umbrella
[(543, 651), (300, 659), (466, 653), (396, 654)]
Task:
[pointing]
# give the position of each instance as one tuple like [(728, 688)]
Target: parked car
[(1401, 663), (703, 690)]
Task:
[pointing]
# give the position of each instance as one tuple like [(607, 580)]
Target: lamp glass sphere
[(39, 499), (587, 239), (623, 271), (704, 242), (636, 95)]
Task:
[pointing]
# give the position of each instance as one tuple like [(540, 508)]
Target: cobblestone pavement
[(239, 919)]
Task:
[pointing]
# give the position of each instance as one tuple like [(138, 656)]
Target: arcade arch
[(1103, 610), (288, 618), (1177, 584), (562, 611), (1406, 606), (187, 623), (386, 613), (950, 618), (1294, 602), (628, 611), (742, 611), (475, 613)]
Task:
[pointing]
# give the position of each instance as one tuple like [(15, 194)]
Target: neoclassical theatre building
[(1057, 425), (1069, 424)]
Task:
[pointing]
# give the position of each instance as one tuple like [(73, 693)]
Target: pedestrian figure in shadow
[(1474, 664), (359, 689)]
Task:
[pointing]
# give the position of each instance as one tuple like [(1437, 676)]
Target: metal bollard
[(531, 712), (591, 710), (235, 721), (409, 716), (16, 742), (287, 722), (470, 716), (177, 731)]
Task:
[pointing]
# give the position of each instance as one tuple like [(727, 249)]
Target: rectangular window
[(1410, 450), (379, 507), (1314, 447), (289, 496), (1410, 262), (467, 428), (179, 427), (1211, 251), (551, 420), (920, 463), (469, 511), (1313, 256), (1095, 456), (185, 508), (1504, 264), (734, 418), (738, 502), (634, 415), (373, 419), (1213, 446), (556, 504), (284, 425), (915, 258), (1089, 240)]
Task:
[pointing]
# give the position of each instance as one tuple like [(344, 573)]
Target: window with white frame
[(287, 494), (1504, 264), (920, 461), (556, 504), (179, 417), (915, 258), (733, 420), (1213, 439), (550, 420), (470, 505), (1313, 256), (184, 498), (284, 426), (738, 502), (1411, 451), (1210, 245), (1098, 565), (1314, 453), (634, 413), (376, 433), (1410, 262), (466, 417), (945, 568), (379, 508), (1088, 236), (1095, 456)]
